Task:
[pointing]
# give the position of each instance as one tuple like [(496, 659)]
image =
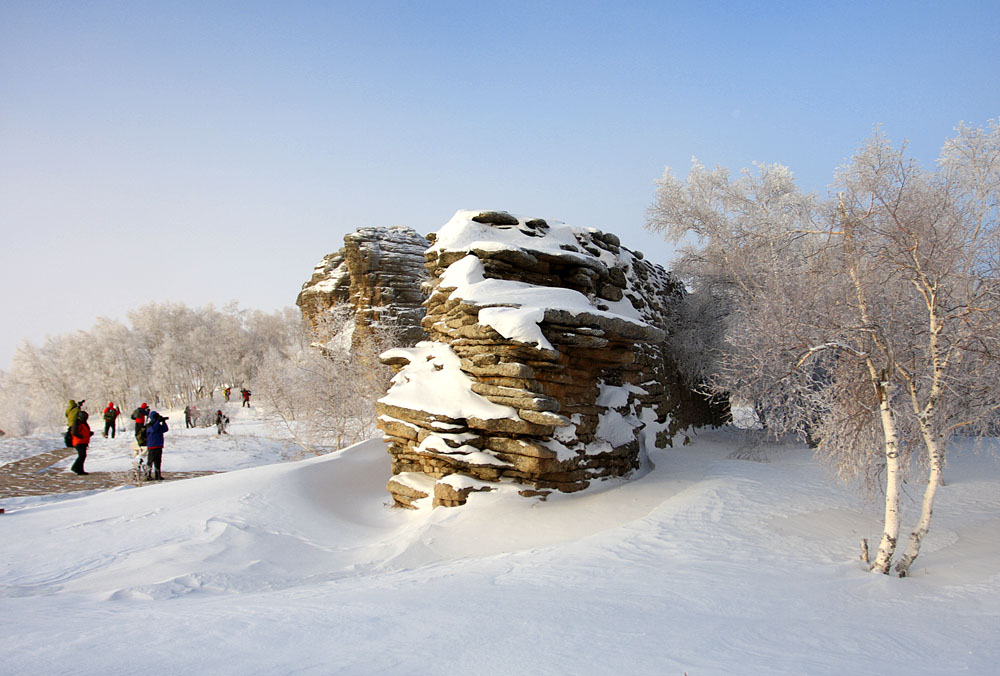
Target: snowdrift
[(705, 565)]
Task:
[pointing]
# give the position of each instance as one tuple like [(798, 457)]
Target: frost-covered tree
[(16, 418), (868, 321), (325, 390), (169, 356), (938, 233)]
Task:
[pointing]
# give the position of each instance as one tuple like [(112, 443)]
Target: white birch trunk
[(890, 533), (932, 441), (926, 509)]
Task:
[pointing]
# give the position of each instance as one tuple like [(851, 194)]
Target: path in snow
[(42, 475), (39, 465)]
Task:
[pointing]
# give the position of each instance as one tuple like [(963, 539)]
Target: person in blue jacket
[(154, 443)]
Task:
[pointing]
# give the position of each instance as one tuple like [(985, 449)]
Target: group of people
[(149, 429), (191, 419), (244, 392)]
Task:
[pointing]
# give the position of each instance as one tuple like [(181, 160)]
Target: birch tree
[(868, 320)]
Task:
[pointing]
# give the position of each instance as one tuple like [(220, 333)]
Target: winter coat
[(80, 432), (155, 430), (111, 414), (139, 415), (71, 412)]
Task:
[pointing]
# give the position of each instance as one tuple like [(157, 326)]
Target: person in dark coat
[(154, 443), (110, 416), (220, 422), (190, 413), (246, 397), (139, 415), (81, 439)]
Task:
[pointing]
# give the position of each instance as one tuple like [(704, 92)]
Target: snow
[(515, 309), (433, 381), (617, 429), (461, 233), (417, 481), (186, 449), (521, 324), (704, 564), (616, 396), (333, 281), (435, 443)]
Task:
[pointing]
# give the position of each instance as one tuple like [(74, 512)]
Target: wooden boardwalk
[(38, 475)]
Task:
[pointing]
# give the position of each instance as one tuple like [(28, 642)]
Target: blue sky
[(213, 151)]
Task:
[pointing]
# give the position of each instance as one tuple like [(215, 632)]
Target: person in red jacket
[(81, 439), (139, 416), (111, 413)]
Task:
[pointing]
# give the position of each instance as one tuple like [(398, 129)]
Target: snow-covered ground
[(256, 442), (704, 565)]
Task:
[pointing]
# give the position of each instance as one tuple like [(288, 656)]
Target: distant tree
[(16, 418), (325, 390), (171, 355), (869, 321)]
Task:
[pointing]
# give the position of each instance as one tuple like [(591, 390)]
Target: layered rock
[(378, 274), (545, 364)]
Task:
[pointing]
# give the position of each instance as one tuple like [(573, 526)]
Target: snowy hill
[(704, 565)]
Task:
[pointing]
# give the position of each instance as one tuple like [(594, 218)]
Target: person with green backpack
[(110, 416), (72, 411), (139, 415)]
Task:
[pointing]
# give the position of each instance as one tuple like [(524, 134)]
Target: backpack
[(73, 431)]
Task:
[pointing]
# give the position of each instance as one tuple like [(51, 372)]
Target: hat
[(144, 405)]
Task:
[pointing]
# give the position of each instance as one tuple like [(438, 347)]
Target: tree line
[(319, 379), (166, 354)]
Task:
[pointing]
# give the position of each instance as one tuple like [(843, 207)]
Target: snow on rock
[(435, 383), (540, 335)]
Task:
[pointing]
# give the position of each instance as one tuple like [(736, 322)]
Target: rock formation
[(378, 274), (545, 366)]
